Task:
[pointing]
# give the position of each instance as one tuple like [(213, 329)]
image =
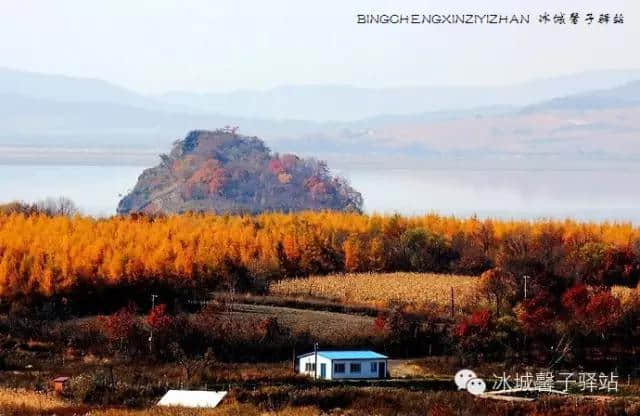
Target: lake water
[(606, 194), (95, 189)]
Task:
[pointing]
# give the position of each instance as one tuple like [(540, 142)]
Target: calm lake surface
[(529, 194)]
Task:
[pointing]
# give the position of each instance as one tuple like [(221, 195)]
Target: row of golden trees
[(46, 255)]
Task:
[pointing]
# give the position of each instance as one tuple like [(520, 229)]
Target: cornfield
[(381, 289)]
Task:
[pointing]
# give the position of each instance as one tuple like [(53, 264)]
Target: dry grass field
[(225, 409), (289, 400), (20, 398), (22, 402), (380, 289)]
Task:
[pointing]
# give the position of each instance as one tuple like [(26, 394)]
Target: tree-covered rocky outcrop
[(223, 172)]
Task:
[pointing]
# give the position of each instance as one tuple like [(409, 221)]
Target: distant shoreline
[(72, 156)]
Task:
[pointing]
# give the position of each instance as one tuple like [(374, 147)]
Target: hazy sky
[(197, 45)]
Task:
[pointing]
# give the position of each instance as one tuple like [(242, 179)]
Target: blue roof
[(348, 355)]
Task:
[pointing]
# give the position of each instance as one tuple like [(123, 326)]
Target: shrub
[(123, 331), (426, 251)]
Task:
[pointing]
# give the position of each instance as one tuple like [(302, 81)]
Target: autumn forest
[(44, 255), (230, 289)]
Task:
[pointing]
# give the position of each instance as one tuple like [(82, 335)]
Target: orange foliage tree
[(55, 255)]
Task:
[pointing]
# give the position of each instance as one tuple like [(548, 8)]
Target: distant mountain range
[(346, 103), (315, 102), (626, 95), (68, 89), (595, 115)]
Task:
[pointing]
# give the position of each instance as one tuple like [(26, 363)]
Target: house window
[(309, 367), (374, 367), (338, 368), (354, 367)]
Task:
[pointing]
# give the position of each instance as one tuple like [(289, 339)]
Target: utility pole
[(452, 304), (294, 358), (315, 365), (525, 277), (153, 305)]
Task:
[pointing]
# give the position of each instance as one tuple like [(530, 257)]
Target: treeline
[(44, 255), (49, 206)]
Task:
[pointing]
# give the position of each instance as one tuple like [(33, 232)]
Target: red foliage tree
[(590, 311), (120, 327), (158, 319), (211, 175), (576, 299), (603, 311), (477, 323), (536, 315), (380, 323), (276, 166), (475, 333)]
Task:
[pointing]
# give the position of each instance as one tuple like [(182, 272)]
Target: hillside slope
[(627, 95), (220, 171)]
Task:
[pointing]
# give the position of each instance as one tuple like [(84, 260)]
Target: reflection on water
[(580, 194), (529, 194)]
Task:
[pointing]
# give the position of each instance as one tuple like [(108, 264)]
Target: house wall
[(58, 387), (311, 359), (365, 369)]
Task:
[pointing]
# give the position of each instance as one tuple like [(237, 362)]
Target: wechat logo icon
[(468, 380)]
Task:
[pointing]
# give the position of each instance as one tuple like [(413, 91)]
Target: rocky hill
[(223, 172)]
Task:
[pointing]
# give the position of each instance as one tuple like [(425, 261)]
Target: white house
[(336, 365)]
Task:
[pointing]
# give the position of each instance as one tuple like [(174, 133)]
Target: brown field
[(340, 327), (380, 289)]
